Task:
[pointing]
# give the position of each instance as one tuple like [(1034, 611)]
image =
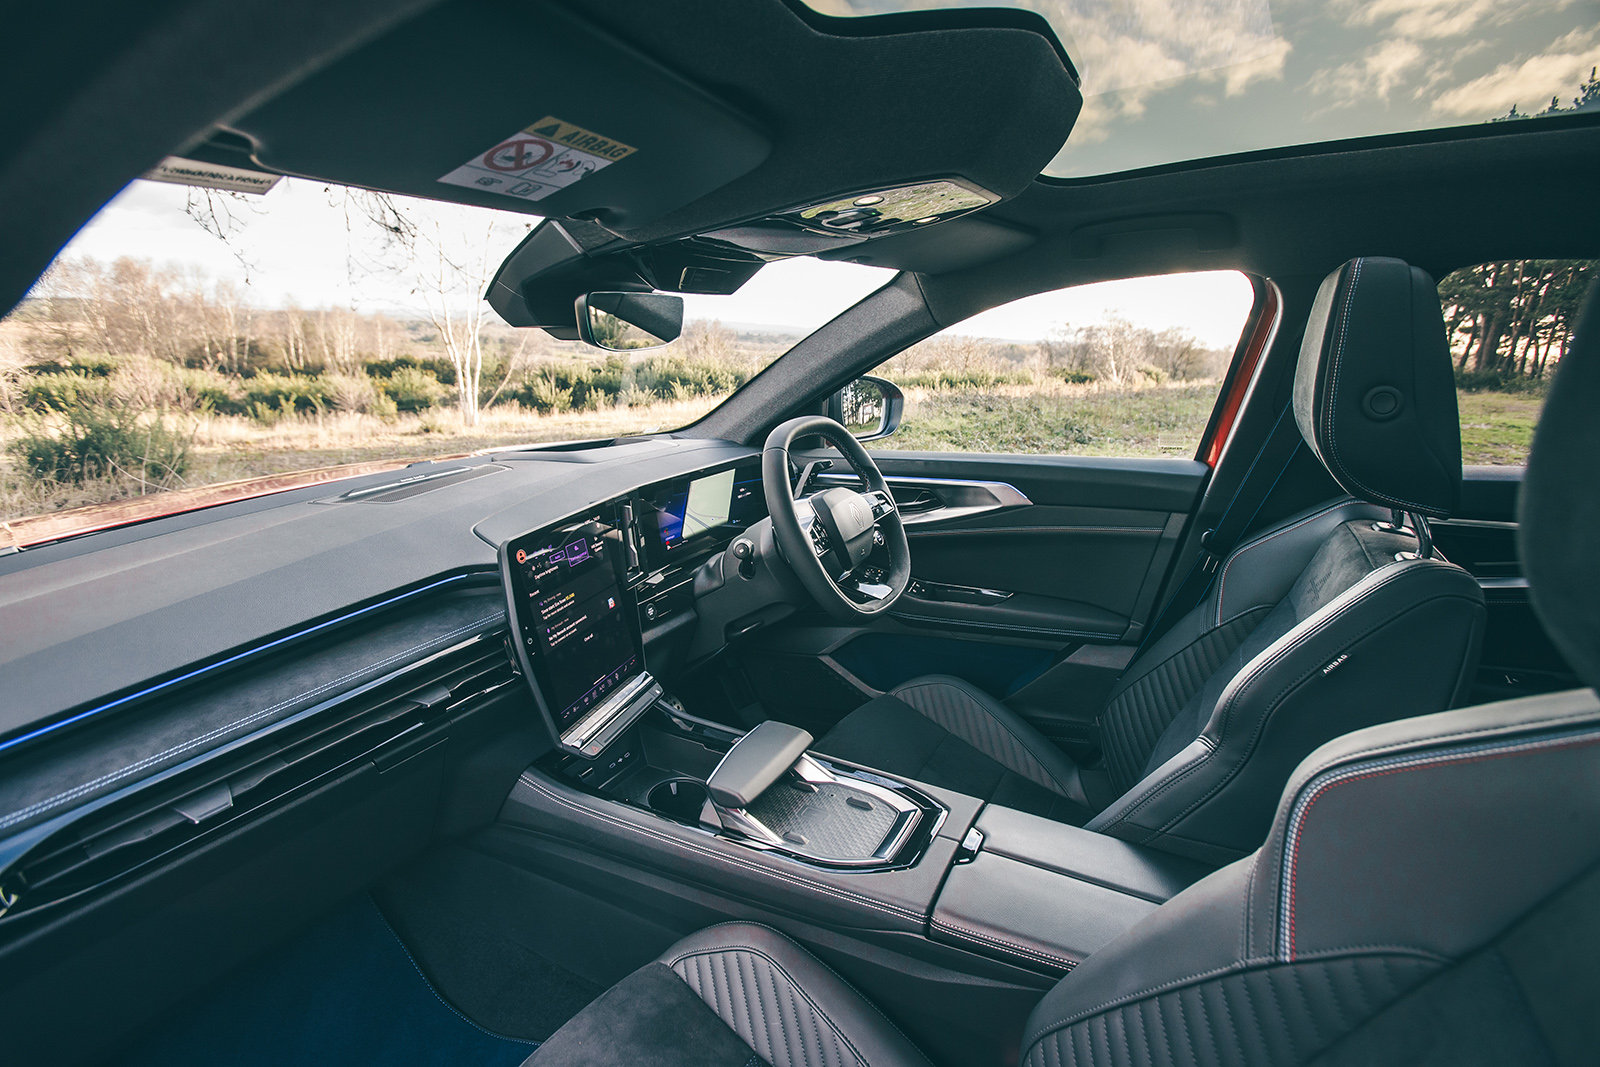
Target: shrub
[(383, 407), (82, 366), (682, 377), (443, 371), (211, 392), (975, 378), (64, 392), (1073, 377), (412, 389), (545, 392), (1490, 381), (270, 397), (352, 392), (101, 442)]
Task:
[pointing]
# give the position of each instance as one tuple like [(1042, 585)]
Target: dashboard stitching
[(893, 909), (211, 735)]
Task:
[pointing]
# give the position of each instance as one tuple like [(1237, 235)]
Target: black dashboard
[(89, 625)]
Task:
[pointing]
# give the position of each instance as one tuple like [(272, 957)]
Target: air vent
[(384, 726)]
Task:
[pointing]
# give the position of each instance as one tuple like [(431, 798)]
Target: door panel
[(1080, 560), (1076, 574), (1518, 658)]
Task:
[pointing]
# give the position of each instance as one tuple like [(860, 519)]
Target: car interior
[(752, 742)]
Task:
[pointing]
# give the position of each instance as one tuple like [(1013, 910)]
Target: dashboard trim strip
[(236, 658)]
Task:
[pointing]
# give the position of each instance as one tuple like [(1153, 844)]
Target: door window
[(1509, 322), (1123, 368)]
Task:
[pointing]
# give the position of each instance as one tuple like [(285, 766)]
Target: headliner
[(160, 76)]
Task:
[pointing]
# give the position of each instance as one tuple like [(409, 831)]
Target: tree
[(1513, 319), (448, 267)]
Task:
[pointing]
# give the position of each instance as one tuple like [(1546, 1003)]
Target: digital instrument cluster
[(694, 511)]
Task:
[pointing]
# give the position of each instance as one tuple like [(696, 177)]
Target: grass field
[(226, 448), (1164, 420), (1078, 420), (1497, 428), (1058, 419)]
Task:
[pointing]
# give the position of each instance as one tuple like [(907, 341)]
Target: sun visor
[(663, 121), (523, 107)]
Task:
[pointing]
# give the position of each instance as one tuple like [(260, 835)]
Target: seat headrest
[(1374, 392), (1558, 520)]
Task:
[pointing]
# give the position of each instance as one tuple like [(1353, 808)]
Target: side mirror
[(870, 408), (629, 322)]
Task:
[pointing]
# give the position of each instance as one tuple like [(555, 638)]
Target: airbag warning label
[(533, 163)]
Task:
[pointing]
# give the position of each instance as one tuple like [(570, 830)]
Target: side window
[(1124, 368), (1509, 324)]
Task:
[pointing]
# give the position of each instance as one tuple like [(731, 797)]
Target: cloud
[(1127, 43), (1433, 19), (1268, 66), (1528, 84), (1382, 69)]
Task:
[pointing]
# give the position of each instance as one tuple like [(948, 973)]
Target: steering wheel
[(825, 537)]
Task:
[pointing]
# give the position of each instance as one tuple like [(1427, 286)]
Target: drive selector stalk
[(769, 793), (755, 761)]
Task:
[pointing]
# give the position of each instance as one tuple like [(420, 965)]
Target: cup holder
[(679, 798)]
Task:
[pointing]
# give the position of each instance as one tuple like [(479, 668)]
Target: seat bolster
[(785, 1003), (1260, 572), (1408, 631), (1499, 811), (995, 730)]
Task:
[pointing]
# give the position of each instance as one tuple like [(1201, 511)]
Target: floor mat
[(489, 937), (344, 994)]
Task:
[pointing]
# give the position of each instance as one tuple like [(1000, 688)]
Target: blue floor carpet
[(343, 994)]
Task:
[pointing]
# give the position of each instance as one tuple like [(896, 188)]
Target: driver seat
[(1331, 621)]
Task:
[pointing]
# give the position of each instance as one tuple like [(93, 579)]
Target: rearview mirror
[(628, 322), (870, 408)]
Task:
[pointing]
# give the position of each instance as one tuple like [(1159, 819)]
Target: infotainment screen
[(581, 635), (729, 500)]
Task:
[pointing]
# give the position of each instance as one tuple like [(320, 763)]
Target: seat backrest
[(1325, 623), (1429, 891)]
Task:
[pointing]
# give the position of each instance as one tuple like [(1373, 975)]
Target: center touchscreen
[(580, 634)]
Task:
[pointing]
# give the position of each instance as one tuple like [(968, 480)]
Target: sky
[(301, 243)]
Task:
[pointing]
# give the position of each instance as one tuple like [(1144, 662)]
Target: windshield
[(189, 340), (1171, 80)]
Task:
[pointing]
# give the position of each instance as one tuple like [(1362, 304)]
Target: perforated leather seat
[(1429, 891), (1320, 625)]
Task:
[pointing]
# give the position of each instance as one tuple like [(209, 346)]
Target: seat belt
[(1269, 465)]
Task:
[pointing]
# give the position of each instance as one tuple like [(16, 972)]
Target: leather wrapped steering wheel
[(825, 537)]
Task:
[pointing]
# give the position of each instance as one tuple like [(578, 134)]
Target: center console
[(924, 895), (579, 642)]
